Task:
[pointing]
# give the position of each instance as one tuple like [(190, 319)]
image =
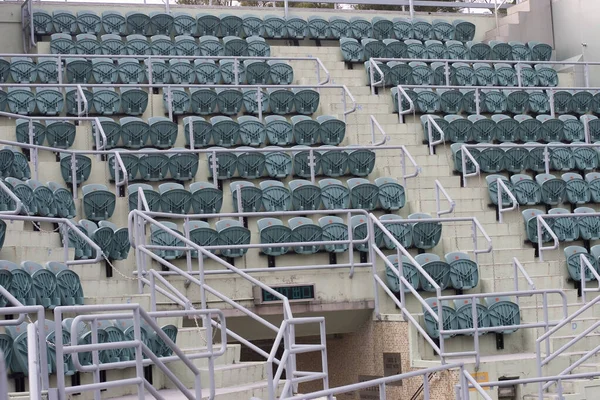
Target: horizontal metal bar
[(491, 62)]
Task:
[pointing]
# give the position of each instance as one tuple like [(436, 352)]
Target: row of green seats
[(462, 74), (112, 240), (206, 101), (386, 193), (573, 258), (504, 129), (575, 189), (50, 200), (159, 45), (457, 271), (155, 166), (51, 101), (495, 311), (496, 101), (567, 229), (130, 71), (50, 285), (494, 159), (14, 164), (354, 51), (135, 133), (53, 133)]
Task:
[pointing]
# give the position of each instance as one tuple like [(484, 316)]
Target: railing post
[(74, 175), (411, 9), (33, 362), (34, 151), (373, 261), (139, 368), (259, 101)]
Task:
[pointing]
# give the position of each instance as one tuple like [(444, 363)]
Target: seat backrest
[(227, 223), (542, 178), (270, 183), (165, 187), (324, 221)]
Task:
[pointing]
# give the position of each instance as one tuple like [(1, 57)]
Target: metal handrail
[(431, 123), (467, 154), (13, 197), (440, 188), (61, 57), (411, 109), (374, 124), (502, 188), (585, 264), (519, 267)]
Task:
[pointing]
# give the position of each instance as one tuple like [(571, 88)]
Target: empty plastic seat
[(232, 71), (573, 128), (64, 22), (258, 47), (103, 237), (250, 99), (422, 29), (352, 50), (44, 284), (457, 156), (563, 101), (272, 231), (69, 289), (589, 226), (360, 28), (134, 101), (459, 129), (538, 102), (517, 101), (318, 27), (566, 228), (546, 75), (526, 190), (161, 23), (83, 167), (334, 194), (281, 101), (184, 24), (464, 272), (582, 101), (451, 100), (395, 48), (492, 183), (479, 50), (112, 45), (540, 51), (152, 196), (43, 199), (113, 22), (22, 131), (334, 163), (232, 233), (277, 163), (205, 198), (340, 28), (428, 101), (573, 256), (280, 72), (23, 70), (225, 164), (163, 132), (208, 24), (63, 201), (426, 235), (438, 271), (578, 190), (392, 195), (253, 25), (120, 244), (275, 27), (42, 22), (449, 319), (50, 101), (408, 271), (25, 193), (334, 229), (138, 23), (106, 101), (174, 198), (134, 132), (248, 193), (161, 45), (137, 45), (154, 166), (297, 27), (435, 49), (561, 158), (421, 73), (229, 101), (373, 48), (537, 159), (552, 128), (305, 195), (503, 312), (160, 237), (443, 30), (235, 46), (464, 315), (61, 43), (500, 50), (226, 132), (201, 101), (257, 72), (553, 189), (251, 165), (202, 234), (21, 100)]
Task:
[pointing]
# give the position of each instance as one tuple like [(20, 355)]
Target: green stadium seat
[(277, 163), (573, 128), (305, 130), (507, 129), (485, 74), (61, 43), (492, 186), (42, 22), (540, 51), (304, 230), (435, 49), (352, 50), (340, 28), (530, 219), (103, 237), (163, 132), (552, 128), (449, 319), (83, 168), (120, 331), (363, 194), (483, 130), (84, 337), (464, 315), (438, 270), (174, 198), (161, 45), (426, 235), (334, 194), (520, 51), (275, 196), (69, 288), (553, 189), (403, 29), (457, 157), (561, 158), (64, 22), (460, 130), (517, 101), (230, 25), (421, 73), (50, 101), (394, 48), (235, 46), (428, 101), (112, 45), (20, 165), (86, 43), (227, 70), (437, 72), (5, 70), (567, 228), (278, 130), (21, 100), (258, 47), (251, 196), (506, 75), (360, 232), (537, 158), (206, 198), (578, 190), (529, 76), (112, 130), (106, 101), (464, 272), (538, 102), (113, 23), (443, 30), (582, 102), (43, 198), (207, 72), (183, 166), (305, 195), (134, 101), (71, 98), (208, 25), (226, 132), (78, 70), (25, 194), (573, 259), (281, 101), (137, 45), (252, 131), (479, 50), (563, 101), (526, 190), (232, 233), (275, 27), (494, 101), (500, 50), (98, 202), (334, 229), (257, 72), (463, 30), (229, 101), (152, 196), (160, 237), (201, 234), (392, 195), (273, 231), (250, 165), (318, 28), (593, 125), (442, 123), (7, 157), (253, 25), (297, 27), (182, 72), (184, 24), (332, 130), (23, 70), (464, 75), (361, 161), (121, 245), (589, 226), (182, 102), (450, 100), (63, 200), (226, 164), (547, 76), (376, 75), (154, 166), (373, 48), (422, 29), (334, 163), (161, 23), (586, 158), (201, 129), (381, 28), (138, 23), (409, 272), (135, 132), (21, 283), (593, 178), (280, 72), (105, 71), (131, 163), (503, 312)]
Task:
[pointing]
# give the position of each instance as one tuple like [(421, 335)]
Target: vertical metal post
[(152, 292), (59, 70), (586, 74), (547, 159), (139, 359), (201, 279), (350, 245), (411, 9), (170, 102), (496, 13), (447, 72), (236, 71), (344, 103), (476, 333), (33, 363), (149, 66), (551, 101), (474, 228), (211, 361), (192, 139), (519, 69), (373, 261), (213, 166), (34, 151), (425, 387), (74, 175), (58, 349), (318, 72), (311, 165), (259, 101), (285, 8), (95, 358), (371, 77), (382, 394), (477, 105)]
